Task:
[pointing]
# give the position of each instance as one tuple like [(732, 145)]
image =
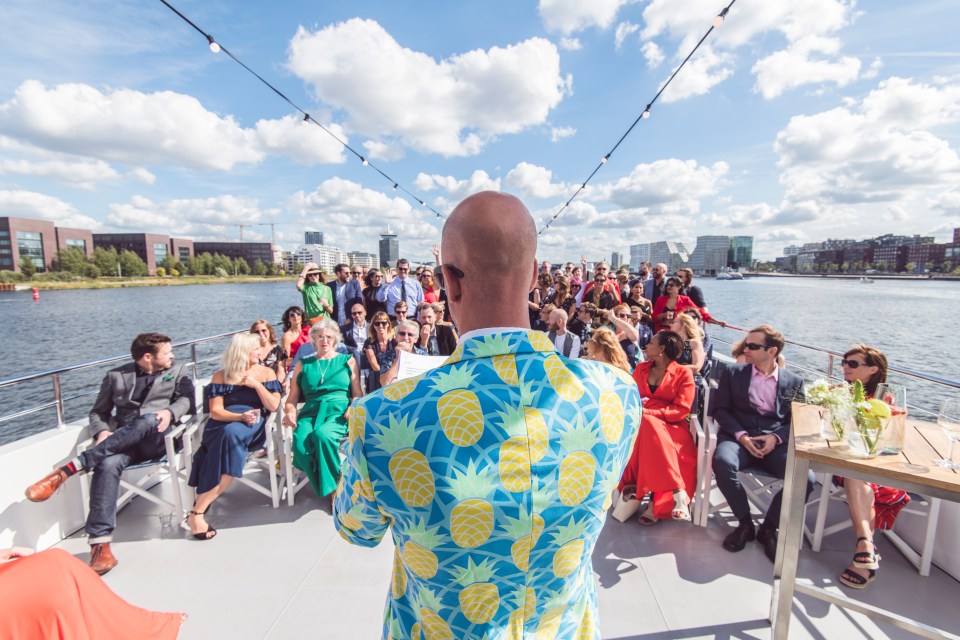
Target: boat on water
[(279, 570), (866, 280), (729, 274)]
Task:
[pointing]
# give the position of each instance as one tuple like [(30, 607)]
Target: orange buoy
[(36, 294)]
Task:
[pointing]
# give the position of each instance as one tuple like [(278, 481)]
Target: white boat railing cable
[(831, 359)]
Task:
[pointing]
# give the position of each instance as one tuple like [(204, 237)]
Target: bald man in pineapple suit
[(493, 472)]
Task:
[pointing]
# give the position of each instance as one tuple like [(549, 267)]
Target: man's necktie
[(403, 290)]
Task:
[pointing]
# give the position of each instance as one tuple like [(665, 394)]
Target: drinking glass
[(949, 421), (894, 428)]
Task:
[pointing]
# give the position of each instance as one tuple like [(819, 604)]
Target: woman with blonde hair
[(240, 395), (603, 346), (627, 334)]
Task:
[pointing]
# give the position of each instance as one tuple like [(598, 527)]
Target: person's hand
[(766, 443), (251, 416), (436, 252), (748, 443), (249, 380), (103, 435), (389, 275), (290, 419), (583, 263), (405, 346), (611, 316), (14, 552), (425, 331), (164, 416)]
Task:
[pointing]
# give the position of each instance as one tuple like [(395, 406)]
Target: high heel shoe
[(210, 532)]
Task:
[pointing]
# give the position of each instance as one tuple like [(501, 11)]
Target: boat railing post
[(193, 356), (58, 398), (829, 365)]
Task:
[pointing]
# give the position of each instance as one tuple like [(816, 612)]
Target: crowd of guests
[(346, 340)]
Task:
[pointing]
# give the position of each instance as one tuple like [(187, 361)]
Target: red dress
[(683, 302), (664, 456), (431, 295), (53, 595)]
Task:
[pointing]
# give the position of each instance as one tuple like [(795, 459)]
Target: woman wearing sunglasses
[(628, 336), (373, 281), (273, 355), (668, 306), (431, 292), (871, 506), (407, 333), (379, 346)]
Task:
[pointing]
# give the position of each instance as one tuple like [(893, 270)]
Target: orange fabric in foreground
[(51, 594)]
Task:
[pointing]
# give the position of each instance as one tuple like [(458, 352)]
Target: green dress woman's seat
[(321, 425)]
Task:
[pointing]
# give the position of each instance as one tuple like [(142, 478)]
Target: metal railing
[(831, 360)]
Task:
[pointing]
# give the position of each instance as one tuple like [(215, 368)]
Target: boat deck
[(285, 573)]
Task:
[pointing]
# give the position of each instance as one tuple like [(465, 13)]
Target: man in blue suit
[(752, 410)]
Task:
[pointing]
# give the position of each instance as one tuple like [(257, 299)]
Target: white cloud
[(896, 213), (947, 203), (624, 29), (81, 174), (665, 186), (532, 181), (216, 218), (559, 133), (653, 53), (378, 150), (28, 204), (453, 106), (796, 66), (570, 44), (704, 71), (305, 142), (567, 16), (479, 180)]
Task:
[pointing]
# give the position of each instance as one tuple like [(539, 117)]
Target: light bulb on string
[(604, 159), (214, 47), (718, 20), (646, 113), (306, 117), (363, 161), (395, 185)]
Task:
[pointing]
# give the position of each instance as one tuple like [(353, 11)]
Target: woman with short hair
[(407, 333), (324, 382)]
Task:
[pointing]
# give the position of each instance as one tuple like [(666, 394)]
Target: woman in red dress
[(672, 304), (430, 294), (664, 458)]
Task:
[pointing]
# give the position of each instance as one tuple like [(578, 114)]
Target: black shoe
[(743, 534), (768, 539)]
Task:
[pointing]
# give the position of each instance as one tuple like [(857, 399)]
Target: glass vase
[(865, 441), (831, 425), (894, 427)]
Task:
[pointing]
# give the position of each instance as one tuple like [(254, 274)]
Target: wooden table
[(924, 443)]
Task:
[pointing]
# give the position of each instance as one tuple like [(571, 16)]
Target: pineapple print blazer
[(494, 473)]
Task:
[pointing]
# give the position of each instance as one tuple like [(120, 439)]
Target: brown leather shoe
[(40, 491), (101, 558)]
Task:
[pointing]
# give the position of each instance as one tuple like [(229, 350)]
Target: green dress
[(325, 391)]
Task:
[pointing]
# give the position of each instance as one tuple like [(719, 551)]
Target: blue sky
[(795, 122)]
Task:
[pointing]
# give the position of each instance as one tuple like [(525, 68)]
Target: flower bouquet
[(869, 416), (836, 404)]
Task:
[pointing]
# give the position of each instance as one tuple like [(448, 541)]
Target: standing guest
[(691, 290), (655, 285), (576, 275), (671, 304), (148, 396), (407, 333), (356, 331), (565, 341), (435, 339), (427, 444), (608, 286), (561, 295), (346, 292), (582, 324), (240, 395), (430, 294), (623, 282), (379, 348), (324, 383), (598, 293), (317, 297), (356, 272), (752, 410), (272, 354), (603, 346), (871, 506), (568, 269), (51, 594), (635, 298), (373, 281), (542, 295), (294, 332), (627, 334), (664, 458), (401, 289)]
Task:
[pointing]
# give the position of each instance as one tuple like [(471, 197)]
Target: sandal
[(210, 532), (854, 580), (647, 518), (681, 506), (866, 559), (626, 505)]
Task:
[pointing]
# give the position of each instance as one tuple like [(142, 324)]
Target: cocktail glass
[(894, 427), (949, 421)]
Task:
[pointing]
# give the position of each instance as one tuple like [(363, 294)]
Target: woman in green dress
[(324, 383)]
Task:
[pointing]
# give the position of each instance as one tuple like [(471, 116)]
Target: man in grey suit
[(752, 409), (148, 396)]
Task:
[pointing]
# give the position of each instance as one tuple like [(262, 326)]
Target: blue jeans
[(130, 444)]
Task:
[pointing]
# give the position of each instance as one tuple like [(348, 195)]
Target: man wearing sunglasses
[(752, 409), (493, 425), (355, 331), (401, 288)]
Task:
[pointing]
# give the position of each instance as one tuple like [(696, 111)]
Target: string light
[(717, 21), (217, 48)]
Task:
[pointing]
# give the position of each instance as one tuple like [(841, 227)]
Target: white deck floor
[(285, 573)]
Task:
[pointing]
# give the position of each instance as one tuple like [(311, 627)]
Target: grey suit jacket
[(172, 390), (734, 413)]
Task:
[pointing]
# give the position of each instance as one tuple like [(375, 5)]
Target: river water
[(914, 323)]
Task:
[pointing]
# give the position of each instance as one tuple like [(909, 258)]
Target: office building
[(81, 239), (313, 237), (35, 240), (249, 251), (673, 254), (616, 259), (363, 259), (151, 247), (710, 254), (389, 249), (639, 253), (324, 256), (741, 252)]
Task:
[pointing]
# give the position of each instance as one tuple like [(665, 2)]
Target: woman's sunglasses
[(380, 323), (853, 364)]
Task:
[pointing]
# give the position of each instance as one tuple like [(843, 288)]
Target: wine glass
[(949, 421)]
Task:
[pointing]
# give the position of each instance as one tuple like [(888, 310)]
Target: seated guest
[(737, 352), (752, 410), (539, 297), (644, 332), (51, 594), (664, 458), (871, 506), (272, 354), (356, 331), (691, 290), (627, 334), (407, 333), (440, 308), (324, 383), (373, 281), (565, 341), (581, 325), (435, 339), (603, 346), (693, 356), (379, 347), (399, 312), (295, 333), (636, 299), (148, 395), (238, 395), (672, 303), (543, 317)]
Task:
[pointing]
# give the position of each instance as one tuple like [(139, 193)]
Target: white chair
[(294, 479), (925, 507)]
